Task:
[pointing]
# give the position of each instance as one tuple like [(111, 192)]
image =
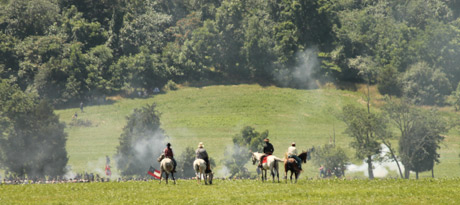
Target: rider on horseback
[(169, 154), (268, 150), (202, 154), (292, 153)]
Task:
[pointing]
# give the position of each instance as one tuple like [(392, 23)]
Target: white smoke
[(145, 146), (301, 76), (224, 172), (381, 168)]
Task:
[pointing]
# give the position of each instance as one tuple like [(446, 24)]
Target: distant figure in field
[(81, 106), (75, 116), (322, 171)]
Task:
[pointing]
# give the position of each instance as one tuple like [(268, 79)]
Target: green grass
[(388, 191), (214, 114)]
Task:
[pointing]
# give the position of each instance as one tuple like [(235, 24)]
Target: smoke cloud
[(302, 75), (381, 168)]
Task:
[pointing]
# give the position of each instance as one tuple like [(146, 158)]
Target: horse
[(272, 164), (199, 165), (290, 164), (166, 166)]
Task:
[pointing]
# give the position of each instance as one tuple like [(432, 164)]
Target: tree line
[(68, 51)]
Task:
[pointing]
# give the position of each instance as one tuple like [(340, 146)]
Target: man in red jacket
[(169, 154)]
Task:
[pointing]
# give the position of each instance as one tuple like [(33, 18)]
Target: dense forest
[(68, 51)]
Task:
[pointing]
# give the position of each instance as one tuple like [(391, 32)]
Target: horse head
[(253, 158), (161, 157), (304, 156)]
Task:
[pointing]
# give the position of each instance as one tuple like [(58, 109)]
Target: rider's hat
[(168, 145), (266, 140), (200, 145), (293, 143)]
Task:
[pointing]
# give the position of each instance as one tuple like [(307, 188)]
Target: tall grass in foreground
[(388, 191)]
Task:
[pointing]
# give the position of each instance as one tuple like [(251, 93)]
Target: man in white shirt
[(292, 153)]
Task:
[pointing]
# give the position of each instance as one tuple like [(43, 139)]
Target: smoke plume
[(381, 168), (302, 75)]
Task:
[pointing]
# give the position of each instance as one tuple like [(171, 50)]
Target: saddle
[(264, 160)]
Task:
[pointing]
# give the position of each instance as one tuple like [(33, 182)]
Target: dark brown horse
[(291, 165)]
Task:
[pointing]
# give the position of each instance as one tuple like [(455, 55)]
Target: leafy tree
[(426, 85), (330, 157), (9, 61), (456, 98), (144, 30), (30, 17), (185, 163), (100, 75), (141, 142), (32, 141), (389, 82), (143, 70), (366, 129), (249, 140), (420, 135), (64, 80)]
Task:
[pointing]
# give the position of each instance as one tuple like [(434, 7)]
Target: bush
[(170, 85)]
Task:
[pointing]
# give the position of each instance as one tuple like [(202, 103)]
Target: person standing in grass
[(81, 106)]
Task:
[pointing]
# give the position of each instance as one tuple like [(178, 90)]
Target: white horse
[(271, 164), (199, 165), (166, 166)]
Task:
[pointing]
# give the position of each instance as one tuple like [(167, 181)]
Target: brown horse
[(291, 165)]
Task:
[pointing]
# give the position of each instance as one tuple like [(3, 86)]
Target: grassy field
[(387, 191), (214, 114)]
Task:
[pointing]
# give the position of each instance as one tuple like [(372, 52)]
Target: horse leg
[(205, 175), (262, 175), (167, 175), (211, 175), (285, 176), (277, 172), (161, 174), (296, 176), (172, 175), (291, 176)]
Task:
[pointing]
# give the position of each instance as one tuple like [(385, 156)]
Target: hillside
[(214, 114)]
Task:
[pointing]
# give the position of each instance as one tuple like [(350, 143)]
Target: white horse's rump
[(271, 164), (199, 166), (166, 166)]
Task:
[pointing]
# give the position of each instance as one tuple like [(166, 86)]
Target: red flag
[(154, 173)]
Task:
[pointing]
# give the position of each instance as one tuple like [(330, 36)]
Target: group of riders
[(201, 153)]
